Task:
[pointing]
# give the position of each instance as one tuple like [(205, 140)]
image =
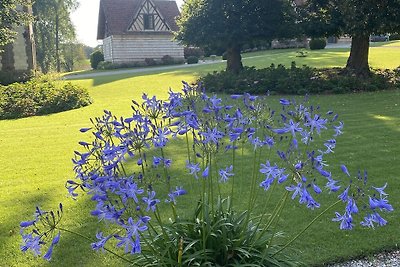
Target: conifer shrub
[(95, 58)]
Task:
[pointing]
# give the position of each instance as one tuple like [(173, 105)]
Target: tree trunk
[(58, 63), (358, 59), (234, 59)]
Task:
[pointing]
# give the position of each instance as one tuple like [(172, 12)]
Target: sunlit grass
[(36, 161)]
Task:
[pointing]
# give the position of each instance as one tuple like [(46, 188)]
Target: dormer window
[(148, 20)]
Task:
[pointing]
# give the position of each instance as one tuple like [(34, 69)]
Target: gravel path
[(385, 259)]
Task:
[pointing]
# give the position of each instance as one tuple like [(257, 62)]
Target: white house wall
[(107, 49), (129, 48)]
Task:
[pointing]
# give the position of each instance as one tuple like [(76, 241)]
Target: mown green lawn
[(36, 160)]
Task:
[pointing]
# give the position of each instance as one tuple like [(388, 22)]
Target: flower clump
[(129, 172)]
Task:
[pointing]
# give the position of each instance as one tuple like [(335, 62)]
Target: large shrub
[(298, 80), (38, 97), (318, 43), (95, 58)]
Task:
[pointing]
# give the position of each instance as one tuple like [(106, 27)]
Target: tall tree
[(357, 18), (232, 23), (10, 17), (53, 27)]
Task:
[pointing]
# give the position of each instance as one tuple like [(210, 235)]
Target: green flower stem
[(308, 226), (276, 213), (158, 217), (264, 210), (91, 240), (252, 188), (187, 146), (233, 170)]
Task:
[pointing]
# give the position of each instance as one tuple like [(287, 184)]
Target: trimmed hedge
[(165, 60), (295, 80), (39, 97)]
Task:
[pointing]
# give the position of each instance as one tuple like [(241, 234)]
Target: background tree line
[(56, 45)]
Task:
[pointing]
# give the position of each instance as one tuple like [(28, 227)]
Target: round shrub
[(192, 60), (318, 43), (95, 58), (39, 97), (167, 60)]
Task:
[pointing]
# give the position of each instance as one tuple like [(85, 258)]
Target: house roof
[(115, 16)]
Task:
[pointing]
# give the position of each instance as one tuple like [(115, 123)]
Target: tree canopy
[(10, 17), (357, 18), (232, 23)]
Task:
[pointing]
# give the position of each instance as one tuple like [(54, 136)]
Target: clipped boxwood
[(39, 97), (317, 43)]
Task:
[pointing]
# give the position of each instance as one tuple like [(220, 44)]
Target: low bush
[(167, 60), (39, 97), (192, 60), (318, 43), (394, 36), (299, 80), (95, 58), (150, 61)]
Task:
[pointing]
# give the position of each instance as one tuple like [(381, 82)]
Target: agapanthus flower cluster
[(41, 232), (127, 168)]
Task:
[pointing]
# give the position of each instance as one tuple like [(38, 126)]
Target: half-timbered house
[(133, 30)]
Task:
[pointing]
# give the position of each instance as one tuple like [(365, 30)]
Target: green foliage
[(95, 58), (40, 96), (303, 80), (167, 60), (192, 60), (230, 240), (225, 25), (52, 28), (354, 17), (193, 51), (150, 61), (7, 77), (394, 36), (72, 54), (9, 17), (317, 43)]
